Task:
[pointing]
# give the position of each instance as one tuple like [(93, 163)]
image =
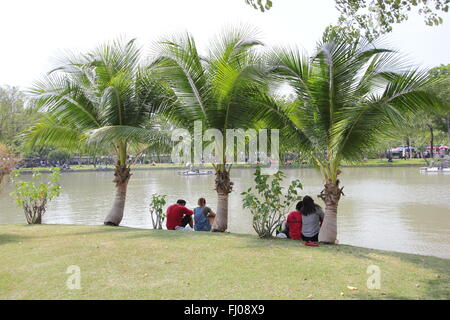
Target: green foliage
[(441, 86), (261, 5), (103, 100), (348, 96), (14, 117), (269, 206), (372, 18), (157, 212), (33, 195), (376, 17), (7, 161), (224, 89)]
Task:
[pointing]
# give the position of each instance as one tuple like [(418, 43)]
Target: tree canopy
[(376, 17)]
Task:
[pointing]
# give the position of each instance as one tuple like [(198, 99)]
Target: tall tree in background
[(14, 116), (441, 88), (346, 97), (102, 99)]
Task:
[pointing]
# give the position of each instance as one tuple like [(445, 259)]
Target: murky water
[(396, 209)]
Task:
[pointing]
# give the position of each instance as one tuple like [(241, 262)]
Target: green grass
[(126, 263)]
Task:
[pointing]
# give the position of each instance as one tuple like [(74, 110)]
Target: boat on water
[(195, 173), (434, 169), (441, 165)]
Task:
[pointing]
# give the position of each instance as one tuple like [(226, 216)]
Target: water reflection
[(385, 208)]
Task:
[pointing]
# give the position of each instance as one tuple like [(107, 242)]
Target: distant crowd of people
[(303, 223)]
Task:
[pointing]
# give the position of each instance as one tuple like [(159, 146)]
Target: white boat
[(434, 169), (195, 173)]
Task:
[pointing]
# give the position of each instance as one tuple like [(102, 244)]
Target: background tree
[(58, 155), (376, 17), (347, 97), (14, 116), (102, 99), (441, 88)]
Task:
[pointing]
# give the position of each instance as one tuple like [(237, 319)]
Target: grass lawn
[(126, 263)]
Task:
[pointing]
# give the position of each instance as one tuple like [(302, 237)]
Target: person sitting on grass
[(312, 218), (294, 222), (282, 230), (203, 216), (178, 216)]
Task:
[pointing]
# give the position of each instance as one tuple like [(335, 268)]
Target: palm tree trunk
[(448, 131), (331, 195), (223, 187), (431, 140), (121, 177), (408, 142)]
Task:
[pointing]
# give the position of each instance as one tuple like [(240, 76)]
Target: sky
[(35, 33)]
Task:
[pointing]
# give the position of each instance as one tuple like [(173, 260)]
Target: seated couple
[(178, 217), (304, 223)]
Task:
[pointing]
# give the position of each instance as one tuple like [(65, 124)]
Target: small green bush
[(33, 195), (270, 206), (156, 210)]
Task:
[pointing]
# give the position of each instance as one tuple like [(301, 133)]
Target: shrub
[(270, 206), (33, 195), (156, 210), (7, 161)]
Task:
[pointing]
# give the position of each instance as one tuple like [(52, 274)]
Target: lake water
[(397, 209)]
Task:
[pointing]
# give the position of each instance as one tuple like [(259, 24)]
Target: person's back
[(201, 216), (311, 223), (175, 214), (312, 217), (294, 223), (200, 219)]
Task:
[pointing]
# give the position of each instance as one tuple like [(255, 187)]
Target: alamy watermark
[(374, 281), (239, 146), (74, 280)]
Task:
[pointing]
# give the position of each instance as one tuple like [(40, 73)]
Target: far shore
[(373, 163)]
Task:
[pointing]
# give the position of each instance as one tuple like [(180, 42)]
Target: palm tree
[(104, 99), (221, 89), (347, 95)]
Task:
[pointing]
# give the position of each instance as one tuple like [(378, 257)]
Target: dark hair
[(308, 206), (201, 201), (181, 202), (299, 206)]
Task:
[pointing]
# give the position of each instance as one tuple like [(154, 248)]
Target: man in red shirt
[(178, 216)]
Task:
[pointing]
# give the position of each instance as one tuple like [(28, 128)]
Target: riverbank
[(165, 166), (126, 263)]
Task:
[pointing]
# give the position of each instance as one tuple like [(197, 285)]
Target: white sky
[(33, 32)]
